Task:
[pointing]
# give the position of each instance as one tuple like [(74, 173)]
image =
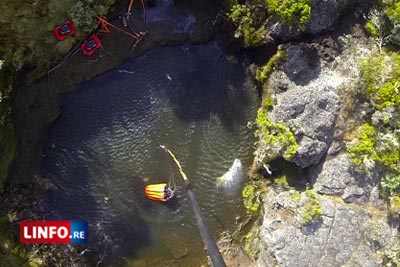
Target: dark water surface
[(105, 147)]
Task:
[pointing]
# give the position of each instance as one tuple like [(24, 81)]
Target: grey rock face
[(325, 14), (343, 235), (309, 68), (306, 103), (337, 176)]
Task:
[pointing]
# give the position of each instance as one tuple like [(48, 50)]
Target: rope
[(130, 5), (171, 182), (208, 241), (176, 162), (104, 21), (128, 14), (71, 53)]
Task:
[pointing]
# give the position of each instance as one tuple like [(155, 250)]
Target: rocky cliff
[(340, 217)]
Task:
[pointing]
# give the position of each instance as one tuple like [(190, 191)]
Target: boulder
[(342, 236), (338, 176), (326, 13), (306, 102)]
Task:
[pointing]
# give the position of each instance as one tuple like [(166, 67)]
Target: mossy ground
[(13, 254), (312, 209), (252, 194)]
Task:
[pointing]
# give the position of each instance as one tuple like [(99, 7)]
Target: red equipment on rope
[(90, 45), (105, 24), (61, 32)]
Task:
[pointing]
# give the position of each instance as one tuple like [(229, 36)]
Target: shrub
[(312, 209), (372, 29), (277, 137), (364, 146), (268, 103), (388, 95), (27, 28), (393, 12), (265, 71), (293, 12), (251, 199), (380, 148), (371, 68), (242, 17), (391, 184)]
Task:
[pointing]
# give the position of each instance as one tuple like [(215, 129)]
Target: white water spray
[(232, 178)]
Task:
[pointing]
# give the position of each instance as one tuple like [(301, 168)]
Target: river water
[(104, 148)]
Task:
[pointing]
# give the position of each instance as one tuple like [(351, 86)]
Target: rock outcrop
[(349, 223), (343, 235), (306, 102), (338, 176), (324, 17)]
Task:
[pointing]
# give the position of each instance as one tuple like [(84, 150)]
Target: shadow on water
[(211, 86)]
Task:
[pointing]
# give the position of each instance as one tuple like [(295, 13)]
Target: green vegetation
[(383, 22), (277, 137), (265, 71), (394, 204), (364, 146), (391, 184), (251, 198), (381, 76), (268, 103), (27, 29), (295, 196), (11, 253), (251, 18), (251, 243), (372, 29), (379, 144), (27, 39), (293, 12), (281, 181), (392, 256), (393, 11), (312, 208), (8, 142), (242, 16)]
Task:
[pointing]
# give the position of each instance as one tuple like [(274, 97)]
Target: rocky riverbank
[(341, 217)]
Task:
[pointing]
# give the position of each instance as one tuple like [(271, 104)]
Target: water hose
[(208, 241)]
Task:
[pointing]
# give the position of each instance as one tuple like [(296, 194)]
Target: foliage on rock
[(251, 18), (11, 253), (392, 256), (312, 209), (254, 33), (276, 138), (265, 71), (363, 148), (27, 29), (383, 23), (293, 12), (251, 243), (379, 143), (251, 194)]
